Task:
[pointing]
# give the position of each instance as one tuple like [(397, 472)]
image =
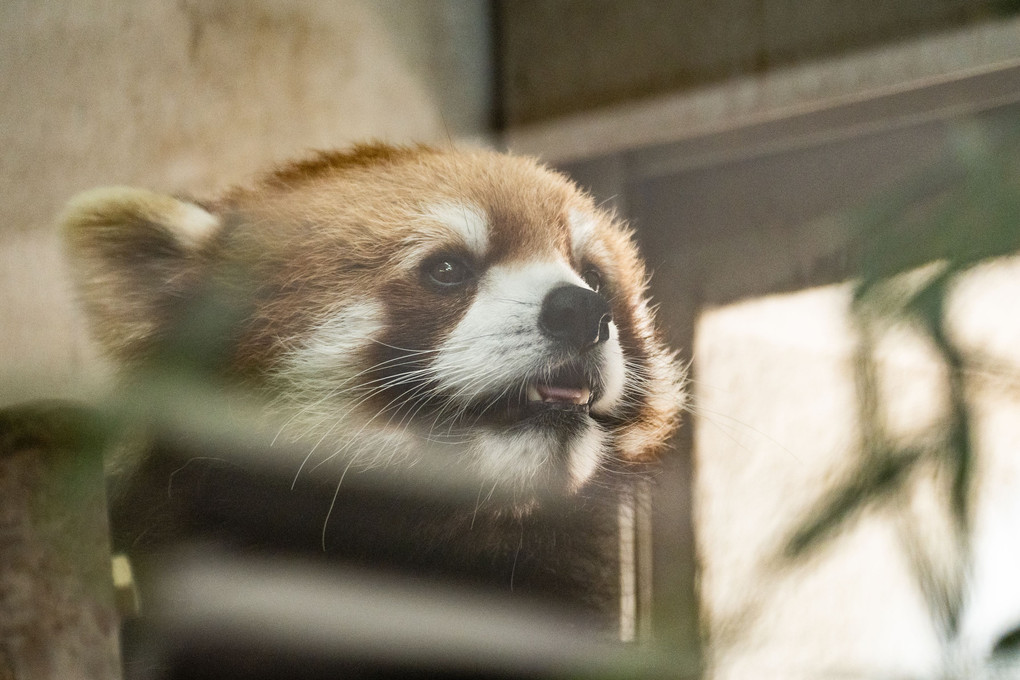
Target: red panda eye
[(447, 271), (593, 278)]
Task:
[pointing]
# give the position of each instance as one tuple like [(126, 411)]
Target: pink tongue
[(570, 395)]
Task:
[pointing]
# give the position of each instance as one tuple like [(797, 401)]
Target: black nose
[(575, 316)]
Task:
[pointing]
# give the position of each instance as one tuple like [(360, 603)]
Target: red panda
[(469, 312)]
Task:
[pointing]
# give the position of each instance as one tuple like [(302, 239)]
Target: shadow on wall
[(861, 520)]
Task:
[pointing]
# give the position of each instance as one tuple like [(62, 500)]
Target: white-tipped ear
[(133, 254)]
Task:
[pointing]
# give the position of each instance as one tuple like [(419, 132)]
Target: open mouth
[(564, 392)]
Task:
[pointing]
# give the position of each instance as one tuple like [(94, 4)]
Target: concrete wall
[(191, 96), (562, 57)]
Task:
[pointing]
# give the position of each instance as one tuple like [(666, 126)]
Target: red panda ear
[(132, 255)]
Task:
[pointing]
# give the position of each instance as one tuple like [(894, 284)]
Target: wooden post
[(57, 613)]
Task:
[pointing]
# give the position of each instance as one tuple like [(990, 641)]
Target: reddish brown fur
[(315, 234), (336, 223)]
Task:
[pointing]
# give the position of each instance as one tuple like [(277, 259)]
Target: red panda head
[(404, 304)]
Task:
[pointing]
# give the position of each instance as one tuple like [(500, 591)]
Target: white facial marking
[(583, 235), (334, 341), (498, 340), (498, 347), (613, 375), (582, 227), (321, 390), (468, 222), (322, 370), (582, 231), (520, 457), (514, 458), (585, 455)]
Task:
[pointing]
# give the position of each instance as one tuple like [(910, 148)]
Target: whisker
[(332, 503)]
